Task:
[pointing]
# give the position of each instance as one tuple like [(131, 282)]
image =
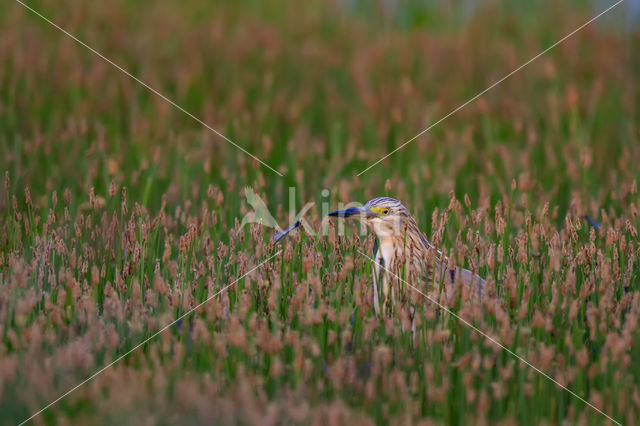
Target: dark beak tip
[(346, 212)]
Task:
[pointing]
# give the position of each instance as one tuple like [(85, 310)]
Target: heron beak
[(353, 211)]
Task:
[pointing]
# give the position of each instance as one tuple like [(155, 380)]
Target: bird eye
[(385, 212)]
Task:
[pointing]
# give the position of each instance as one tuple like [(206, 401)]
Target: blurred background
[(320, 92)]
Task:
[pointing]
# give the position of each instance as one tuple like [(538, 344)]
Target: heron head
[(385, 216)]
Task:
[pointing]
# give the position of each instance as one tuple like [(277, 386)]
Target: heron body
[(403, 253)]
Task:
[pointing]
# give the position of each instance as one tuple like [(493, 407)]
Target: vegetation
[(121, 213)]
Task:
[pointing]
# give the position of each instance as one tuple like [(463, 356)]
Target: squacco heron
[(402, 250)]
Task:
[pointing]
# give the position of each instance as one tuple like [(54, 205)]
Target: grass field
[(121, 213)]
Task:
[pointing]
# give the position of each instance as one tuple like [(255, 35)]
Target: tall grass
[(121, 214)]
